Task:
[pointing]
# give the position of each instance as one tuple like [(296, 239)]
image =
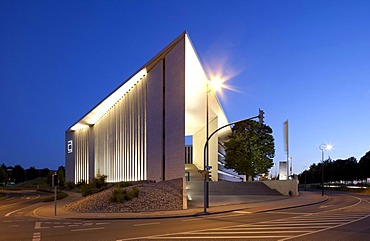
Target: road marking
[(87, 224), (278, 229), (326, 206), (38, 226), (207, 237), (244, 212), (86, 229), (36, 237), (10, 213), (144, 224)]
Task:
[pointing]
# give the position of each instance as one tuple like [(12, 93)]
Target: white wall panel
[(81, 150), (155, 122), (175, 111), (119, 137)]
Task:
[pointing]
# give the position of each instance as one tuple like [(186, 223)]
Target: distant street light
[(323, 147)]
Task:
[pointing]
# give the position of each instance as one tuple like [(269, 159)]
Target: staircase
[(195, 186)]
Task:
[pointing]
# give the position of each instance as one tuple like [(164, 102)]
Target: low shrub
[(81, 183), (70, 185), (120, 195), (123, 184), (98, 184), (117, 195)]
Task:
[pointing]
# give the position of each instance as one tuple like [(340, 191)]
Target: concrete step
[(231, 188), (196, 185)]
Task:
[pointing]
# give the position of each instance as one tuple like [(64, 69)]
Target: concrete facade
[(138, 131)]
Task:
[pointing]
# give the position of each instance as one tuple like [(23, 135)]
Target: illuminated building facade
[(138, 131)]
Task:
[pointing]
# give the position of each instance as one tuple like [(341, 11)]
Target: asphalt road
[(343, 217)]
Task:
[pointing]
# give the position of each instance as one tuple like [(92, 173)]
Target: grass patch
[(120, 195), (38, 183), (60, 195)]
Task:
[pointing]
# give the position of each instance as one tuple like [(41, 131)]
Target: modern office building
[(138, 131)]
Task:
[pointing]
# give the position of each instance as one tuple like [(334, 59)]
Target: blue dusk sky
[(304, 61)]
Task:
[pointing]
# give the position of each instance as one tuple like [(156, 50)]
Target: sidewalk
[(249, 203)]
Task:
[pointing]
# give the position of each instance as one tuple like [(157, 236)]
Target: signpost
[(55, 186)]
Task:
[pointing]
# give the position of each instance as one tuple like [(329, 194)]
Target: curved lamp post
[(206, 168), (211, 85), (323, 147)]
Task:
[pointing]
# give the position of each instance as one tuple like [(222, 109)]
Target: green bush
[(81, 183), (117, 195), (134, 193), (120, 195), (123, 184), (70, 185), (98, 184), (99, 181)]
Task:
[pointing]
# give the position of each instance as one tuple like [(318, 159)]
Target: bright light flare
[(218, 82), (215, 85), (328, 147)]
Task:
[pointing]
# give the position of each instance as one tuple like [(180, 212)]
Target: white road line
[(10, 213), (145, 224), (230, 215), (208, 237), (326, 206), (307, 221), (38, 226), (328, 228), (274, 228), (36, 237), (251, 232), (86, 229), (87, 224), (244, 212)]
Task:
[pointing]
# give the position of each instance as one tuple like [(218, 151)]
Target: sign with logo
[(70, 146)]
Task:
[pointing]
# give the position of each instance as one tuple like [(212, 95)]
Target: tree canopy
[(340, 170), (250, 149)]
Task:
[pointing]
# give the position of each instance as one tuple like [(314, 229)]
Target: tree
[(3, 174), (44, 172), (250, 149), (364, 166), (18, 174), (32, 173), (61, 176)]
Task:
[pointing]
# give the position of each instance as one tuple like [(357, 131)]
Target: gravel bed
[(158, 196)]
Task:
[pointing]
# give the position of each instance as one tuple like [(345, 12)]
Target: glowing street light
[(214, 85), (323, 147)]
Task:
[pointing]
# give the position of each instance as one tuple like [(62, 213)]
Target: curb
[(34, 213)]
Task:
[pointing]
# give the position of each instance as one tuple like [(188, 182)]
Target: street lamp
[(211, 85), (323, 147), (206, 153)]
